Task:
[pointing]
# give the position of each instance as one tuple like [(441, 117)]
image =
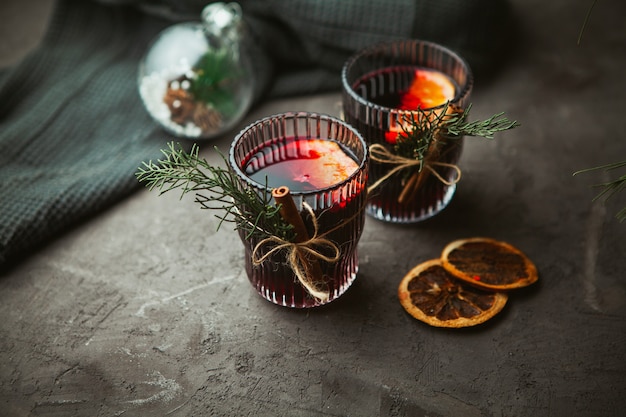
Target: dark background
[(146, 310)]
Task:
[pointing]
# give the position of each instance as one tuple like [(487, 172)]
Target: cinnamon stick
[(409, 187), (418, 178), (291, 215), (433, 154)]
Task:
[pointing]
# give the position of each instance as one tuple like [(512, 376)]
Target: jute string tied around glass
[(302, 255), (380, 154)]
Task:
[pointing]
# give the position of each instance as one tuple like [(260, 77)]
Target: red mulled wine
[(301, 165), (414, 88)]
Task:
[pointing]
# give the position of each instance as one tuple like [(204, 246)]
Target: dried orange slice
[(433, 295), (489, 263)]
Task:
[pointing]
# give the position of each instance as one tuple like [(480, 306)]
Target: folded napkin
[(73, 129)]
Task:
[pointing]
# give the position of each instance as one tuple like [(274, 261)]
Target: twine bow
[(301, 255), (380, 154)]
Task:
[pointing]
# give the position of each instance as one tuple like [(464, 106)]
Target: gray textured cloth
[(72, 127)]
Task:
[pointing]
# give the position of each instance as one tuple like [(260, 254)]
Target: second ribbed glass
[(381, 71)]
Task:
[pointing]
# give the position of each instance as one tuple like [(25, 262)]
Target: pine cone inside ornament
[(180, 102), (206, 117)]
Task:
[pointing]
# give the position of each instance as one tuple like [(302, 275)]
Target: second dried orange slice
[(489, 263), (433, 295)]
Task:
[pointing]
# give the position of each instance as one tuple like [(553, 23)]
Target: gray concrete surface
[(146, 310)]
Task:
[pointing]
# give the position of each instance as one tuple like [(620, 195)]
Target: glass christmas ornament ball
[(195, 79)]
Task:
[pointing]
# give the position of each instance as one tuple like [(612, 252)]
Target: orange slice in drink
[(488, 263), (429, 89), (433, 295)]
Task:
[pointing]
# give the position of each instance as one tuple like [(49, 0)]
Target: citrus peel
[(488, 263), (467, 285), (432, 295)]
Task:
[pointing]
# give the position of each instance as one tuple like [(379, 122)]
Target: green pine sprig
[(216, 188), (611, 187), (436, 125), (459, 126), (587, 16)]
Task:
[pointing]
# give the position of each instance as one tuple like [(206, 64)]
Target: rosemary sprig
[(582, 29), (249, 211), (612, 187), (487, 128), (616, 185), (448, 122)]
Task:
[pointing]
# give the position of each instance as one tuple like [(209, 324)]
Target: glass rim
[(353, 94), (298, 114)]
